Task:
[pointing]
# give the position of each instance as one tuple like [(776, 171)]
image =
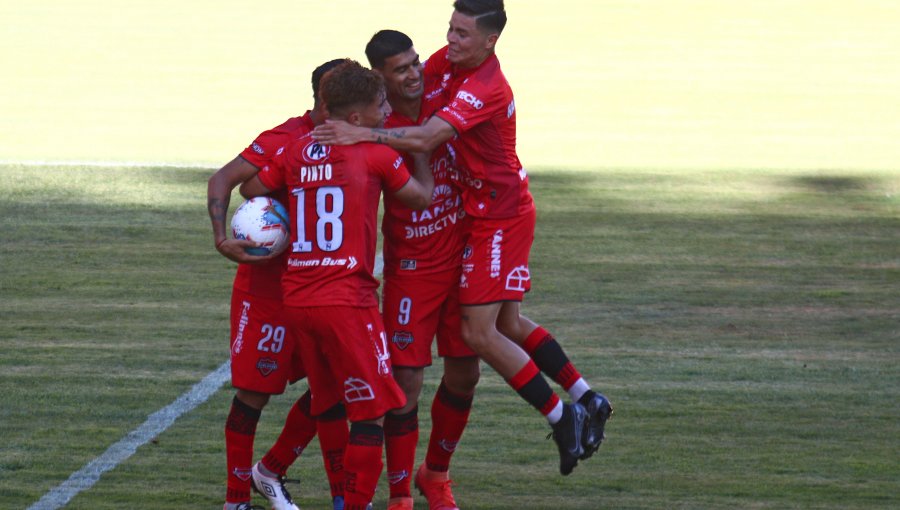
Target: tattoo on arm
[(382, 135), (218, 210)]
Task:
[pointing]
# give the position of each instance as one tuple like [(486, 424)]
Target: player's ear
[(491, 41), (354, 118)]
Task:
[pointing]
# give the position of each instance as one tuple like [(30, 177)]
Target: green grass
[(744, 323)]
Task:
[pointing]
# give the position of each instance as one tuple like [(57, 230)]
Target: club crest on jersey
[(314, 151), (402, 339), (467, 252), (266, 366)]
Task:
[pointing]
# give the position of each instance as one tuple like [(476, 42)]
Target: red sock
[(449, 416), (549, 356), (333, 436), (299, 429), (531, 386), (362, 464), (401, 435), (240, 430)]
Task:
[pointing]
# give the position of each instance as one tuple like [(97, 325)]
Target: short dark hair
[(320, 71), (349, 85), (490, 15), (384, 45)]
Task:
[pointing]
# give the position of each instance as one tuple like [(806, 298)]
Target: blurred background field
[(717, 242), (637, 83)]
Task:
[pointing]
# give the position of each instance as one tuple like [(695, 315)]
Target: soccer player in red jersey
[(329, 289), (479, 122), (264, 357), (422, 251)]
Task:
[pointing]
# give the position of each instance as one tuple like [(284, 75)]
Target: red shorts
[(264, 354), (416, 308), (495, 259), (346, 353)]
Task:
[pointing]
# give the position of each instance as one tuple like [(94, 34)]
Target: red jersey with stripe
[(334, 194), (481, 107), (425, 241), (264, 280)]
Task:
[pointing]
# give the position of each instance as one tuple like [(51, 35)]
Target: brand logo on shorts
[(408, 264), (518, 278), (242, 474), (356, 390), (467, 252), (242, 324), (496, 244), (266, 366), (402, 339)]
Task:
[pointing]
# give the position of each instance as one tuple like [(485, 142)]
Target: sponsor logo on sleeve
[(257, 148), (470, 98)]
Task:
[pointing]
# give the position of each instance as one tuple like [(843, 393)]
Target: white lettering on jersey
[(315, 173), (470, 98)]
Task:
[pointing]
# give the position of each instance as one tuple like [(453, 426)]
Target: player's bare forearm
[(407, 139)]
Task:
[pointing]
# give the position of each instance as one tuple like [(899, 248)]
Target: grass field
[(744, 322), (717, 244)]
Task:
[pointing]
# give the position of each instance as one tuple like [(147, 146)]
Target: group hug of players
[(438, 139)]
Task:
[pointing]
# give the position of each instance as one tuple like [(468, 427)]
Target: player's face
[(467, 46), (403, 76), (374, 113)]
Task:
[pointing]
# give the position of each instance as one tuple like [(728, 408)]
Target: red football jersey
[(482, 109), (430, 240), (264, 280), (334, 194)]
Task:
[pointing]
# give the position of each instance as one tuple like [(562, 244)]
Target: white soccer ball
[(262, 220)]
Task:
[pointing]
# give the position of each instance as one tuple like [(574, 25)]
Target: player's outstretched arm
[(422, 138), (218, 196), (417, 192)]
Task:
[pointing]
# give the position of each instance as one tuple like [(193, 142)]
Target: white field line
[(156, 423)]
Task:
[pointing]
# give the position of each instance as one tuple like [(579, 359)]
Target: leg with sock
[(333, 437), (549, 356), (401, 435), (362, 464), (240, 431)]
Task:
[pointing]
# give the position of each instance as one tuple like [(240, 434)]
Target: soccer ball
[(263, 220)]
